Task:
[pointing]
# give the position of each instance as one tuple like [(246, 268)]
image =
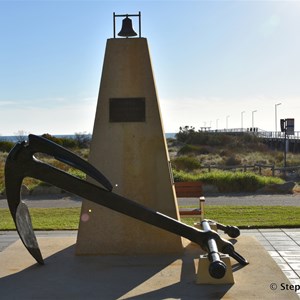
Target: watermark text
[(285, 287)]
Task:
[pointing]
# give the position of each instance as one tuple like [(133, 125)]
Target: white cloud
[(66, 119), (270, 25), (6, 103)]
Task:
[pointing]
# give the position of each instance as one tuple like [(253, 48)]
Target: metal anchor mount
[(22, 163)]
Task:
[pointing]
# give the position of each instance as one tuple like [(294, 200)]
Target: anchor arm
[(40, 144)]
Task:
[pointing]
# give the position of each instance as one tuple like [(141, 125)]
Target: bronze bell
[(127, 29)]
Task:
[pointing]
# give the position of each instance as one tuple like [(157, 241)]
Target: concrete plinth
[(203, 276), (129, 147), (66, 276)]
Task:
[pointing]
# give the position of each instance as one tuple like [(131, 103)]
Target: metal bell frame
[(126, 16)]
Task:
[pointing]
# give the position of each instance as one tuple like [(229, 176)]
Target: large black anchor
[(22, 163)]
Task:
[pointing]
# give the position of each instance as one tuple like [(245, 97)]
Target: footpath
[(68, 200)]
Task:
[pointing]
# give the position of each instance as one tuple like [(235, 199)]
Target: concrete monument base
[(203, 276), (66, 276), (129, 147)]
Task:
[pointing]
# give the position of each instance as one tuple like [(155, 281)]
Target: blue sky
[(212, 60)]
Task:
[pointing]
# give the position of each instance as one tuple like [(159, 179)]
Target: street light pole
[(276, 117), (253, 111), (242, 113)]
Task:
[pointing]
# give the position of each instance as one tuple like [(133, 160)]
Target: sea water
[(13, 138)]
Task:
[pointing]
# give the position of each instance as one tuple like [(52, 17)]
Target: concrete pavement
[(283, 245)]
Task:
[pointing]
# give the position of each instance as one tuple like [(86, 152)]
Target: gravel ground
[(68, 200)]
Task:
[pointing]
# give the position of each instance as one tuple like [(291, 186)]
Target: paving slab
[(66, 276)]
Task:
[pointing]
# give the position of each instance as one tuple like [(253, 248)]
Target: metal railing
[(258, 132)]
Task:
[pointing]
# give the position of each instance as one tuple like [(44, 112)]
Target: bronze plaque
[(127, 110)]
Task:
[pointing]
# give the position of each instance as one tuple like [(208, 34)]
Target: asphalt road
[(68, 200)]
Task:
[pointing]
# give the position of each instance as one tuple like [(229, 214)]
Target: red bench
[(191, 189)]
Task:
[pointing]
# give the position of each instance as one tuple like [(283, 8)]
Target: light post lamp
[(227, 117), (276, 117), (242, 115), (253, 111)]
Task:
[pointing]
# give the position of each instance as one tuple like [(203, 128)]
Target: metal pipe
[(140, 25), (114, 25), (217, 267)]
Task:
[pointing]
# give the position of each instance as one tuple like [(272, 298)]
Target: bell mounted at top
[(127, 29)]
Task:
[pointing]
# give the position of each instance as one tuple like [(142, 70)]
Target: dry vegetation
[(192, 150), (189, 153), (79, 145)]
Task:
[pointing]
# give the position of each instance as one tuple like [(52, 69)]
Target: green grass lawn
[(241, 216), (45, 219), (255, 216)]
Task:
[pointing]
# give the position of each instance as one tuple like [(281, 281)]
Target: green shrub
[(2, 165), (83, 139), (186, 163), (181, 176), (194, 149), (229, 181), (242, 141), (68, 143), (6, 146), (185, 134), (232, 161), (293, 160), (64, 142), (80, 140)]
